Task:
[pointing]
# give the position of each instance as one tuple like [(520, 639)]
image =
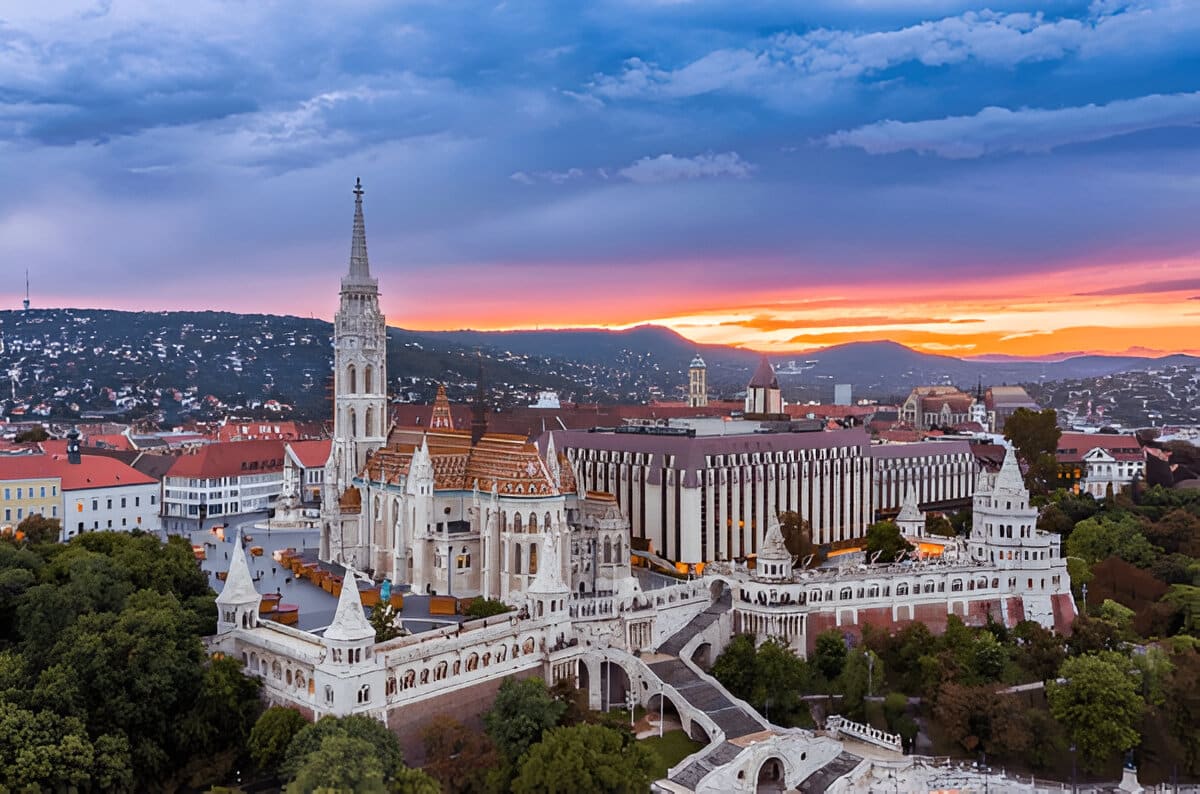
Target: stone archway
[(614, 683), (771, 776), (703, 656), (717, 589)]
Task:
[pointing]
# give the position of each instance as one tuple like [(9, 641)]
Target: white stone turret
[(350, 626), (552, 464), (910, 520), (238, 601), (548, 592), (1003, 524), (419, 487), (774, 561)]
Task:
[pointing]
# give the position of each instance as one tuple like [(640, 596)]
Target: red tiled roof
[(311, 454), (109, 441), (1073, 446), (93, 471), (230, 459), (257, 430)]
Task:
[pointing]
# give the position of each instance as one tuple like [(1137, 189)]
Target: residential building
[(222, 479), (28, 487), (87, 493), (1095, 462)]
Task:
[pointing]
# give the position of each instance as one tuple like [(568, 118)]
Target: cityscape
[(597, 470)]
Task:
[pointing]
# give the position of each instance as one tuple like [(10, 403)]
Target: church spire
[(359, 267)]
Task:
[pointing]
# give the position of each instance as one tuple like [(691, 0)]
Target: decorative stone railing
[(839, 725)]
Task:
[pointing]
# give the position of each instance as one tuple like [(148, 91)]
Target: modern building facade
[(702, 498)]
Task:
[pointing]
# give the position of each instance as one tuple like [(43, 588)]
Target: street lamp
[(631, 702), (1073, 766)]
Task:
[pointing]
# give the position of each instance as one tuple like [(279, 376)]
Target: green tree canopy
[(383, 744), (342, 764), (938, 524), (734, 668), (383, 620), (585, 758), (1103, 536), (980, 719), (798, 537), (522, 711), (829, 654), (271, 735), (884, 537), (1099, 704), (457, 756), (39, 529), (1034, 435)]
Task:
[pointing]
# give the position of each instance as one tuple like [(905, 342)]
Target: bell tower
[(697, 383), (359, 391)]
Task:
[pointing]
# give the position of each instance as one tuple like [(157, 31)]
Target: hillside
[(65, 363)]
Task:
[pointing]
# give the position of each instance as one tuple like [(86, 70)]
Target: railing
[(840, 725)]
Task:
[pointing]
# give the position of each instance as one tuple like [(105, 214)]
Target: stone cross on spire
[(359, 268)]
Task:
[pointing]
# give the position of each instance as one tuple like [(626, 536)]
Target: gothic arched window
[(352, 379), (369, 379)]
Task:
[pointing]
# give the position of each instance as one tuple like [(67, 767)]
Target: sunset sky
[(968, 178)]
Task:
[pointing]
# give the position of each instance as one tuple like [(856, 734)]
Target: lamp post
[(1073, 766), (1083, 589), (870, 673), (662, 708), (631, 702)]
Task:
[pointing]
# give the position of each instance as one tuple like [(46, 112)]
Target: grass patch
[(671, 748)]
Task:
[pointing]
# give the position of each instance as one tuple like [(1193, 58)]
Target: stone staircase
[(732, 718)]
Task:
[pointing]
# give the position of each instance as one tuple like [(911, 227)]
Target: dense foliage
[(104, 683)]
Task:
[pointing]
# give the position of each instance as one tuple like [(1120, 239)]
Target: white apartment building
[(222, 479)]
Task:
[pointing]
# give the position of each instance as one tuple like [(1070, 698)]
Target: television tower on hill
[(25, 303)]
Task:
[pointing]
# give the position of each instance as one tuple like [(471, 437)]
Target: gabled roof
[(311, 454), (230, 459)]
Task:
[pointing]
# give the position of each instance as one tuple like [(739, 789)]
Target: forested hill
[(69, 362)]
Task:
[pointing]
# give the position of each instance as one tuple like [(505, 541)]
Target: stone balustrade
[(839, 725)]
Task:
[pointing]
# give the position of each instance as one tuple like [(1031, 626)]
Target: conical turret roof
[(1009, 479), (349, 623), (773, 546), (764, 376), (239, 585), (908, 509)]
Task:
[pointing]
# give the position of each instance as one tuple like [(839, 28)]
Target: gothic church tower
[(360, 420)]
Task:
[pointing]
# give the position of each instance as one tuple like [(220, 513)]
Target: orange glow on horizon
[(1028, 315)]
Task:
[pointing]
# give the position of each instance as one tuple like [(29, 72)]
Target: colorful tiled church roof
[(510, 463)]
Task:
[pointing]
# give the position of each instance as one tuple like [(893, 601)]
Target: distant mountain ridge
[(133, 363)]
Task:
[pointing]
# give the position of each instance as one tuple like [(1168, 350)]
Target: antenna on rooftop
[(25, 303)]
